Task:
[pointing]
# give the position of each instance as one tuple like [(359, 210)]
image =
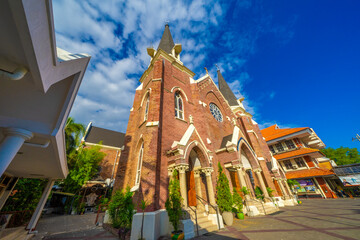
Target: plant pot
[(228, 218), (240, 215), (177, 235)]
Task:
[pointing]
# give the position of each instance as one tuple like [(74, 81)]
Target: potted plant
[(143, 205), (238, 204), (223, 196), (173, 206)]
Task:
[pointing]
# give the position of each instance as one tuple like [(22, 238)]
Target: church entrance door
[(191, 188)]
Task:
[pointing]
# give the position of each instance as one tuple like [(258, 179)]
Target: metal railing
[(196, 221), (214, 207)]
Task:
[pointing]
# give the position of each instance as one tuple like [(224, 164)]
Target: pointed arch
[(140, 155), (147, 94), (245, 151), (179, 105), (176, 88), (200, 151)]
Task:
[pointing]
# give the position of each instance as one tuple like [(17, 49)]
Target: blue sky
[(297, 63)]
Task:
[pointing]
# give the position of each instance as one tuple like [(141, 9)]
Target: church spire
[(226, 91), (166, 42)]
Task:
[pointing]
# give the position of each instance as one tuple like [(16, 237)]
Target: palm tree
[(73, 133)]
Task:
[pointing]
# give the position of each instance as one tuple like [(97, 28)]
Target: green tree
[(27, 195), (223, 195), (342, 155), (121, 209), (73, 134), (238, 204), (173, 203), (259, 193), (83, 166)]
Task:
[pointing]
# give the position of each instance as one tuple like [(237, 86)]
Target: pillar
[(282, 188), (241, 178), (262, 184), (199, 201), (14, 139), (182, 168), (287, 187), (37, 213), (210, 188)]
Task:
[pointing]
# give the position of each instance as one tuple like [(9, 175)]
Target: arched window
[(179, 108), (146, 107), (138, 170)]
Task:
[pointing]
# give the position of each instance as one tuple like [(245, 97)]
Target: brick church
[(177, 122)]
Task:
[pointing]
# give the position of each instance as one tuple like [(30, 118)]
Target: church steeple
[(166, 42), (226, 91)]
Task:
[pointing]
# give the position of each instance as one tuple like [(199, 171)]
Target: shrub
[(259, 193), (270, 191), (245, 191), (121, 209), (173, 203), (223, 194), (238, 204)]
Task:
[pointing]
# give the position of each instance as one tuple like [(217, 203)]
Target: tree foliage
[(73, 134), (173, 203), (223, 195), (27, 195), (83, 165), (342, 155), (121, 209), (238, 204)]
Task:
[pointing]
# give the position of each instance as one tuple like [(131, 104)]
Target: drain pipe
[(18, 74)]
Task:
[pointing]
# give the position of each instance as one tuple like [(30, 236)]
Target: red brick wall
[(159, 139)]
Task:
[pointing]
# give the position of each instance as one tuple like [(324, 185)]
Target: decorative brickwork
[(198, 141)]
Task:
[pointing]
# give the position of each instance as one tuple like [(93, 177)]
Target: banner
[(350, 180)]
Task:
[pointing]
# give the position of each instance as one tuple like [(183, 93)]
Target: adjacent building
[(179, 122), (298, 153), (38, 85)]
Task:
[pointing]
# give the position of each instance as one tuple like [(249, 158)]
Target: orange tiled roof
[(313, 172), (294, 153), (274, 132)]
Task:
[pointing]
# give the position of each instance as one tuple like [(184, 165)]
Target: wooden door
[(191, 188)]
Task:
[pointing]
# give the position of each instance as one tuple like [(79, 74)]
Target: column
[(197, 177), (241, 177), (14, 139), (282, 188), (182, 168), (262, 184), (37, 213), (210, 188), (287, 187)]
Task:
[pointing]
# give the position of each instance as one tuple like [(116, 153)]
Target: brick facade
[(163, 134)]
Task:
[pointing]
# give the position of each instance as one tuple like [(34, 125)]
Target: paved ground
[(66, 227), (314, 219)]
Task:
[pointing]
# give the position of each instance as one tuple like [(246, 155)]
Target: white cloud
[(116, 34)]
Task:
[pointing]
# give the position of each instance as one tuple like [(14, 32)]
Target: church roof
[(226, 91), (166, 42), (108, 137)]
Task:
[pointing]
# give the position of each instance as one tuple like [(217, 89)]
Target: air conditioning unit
[(294, 167)]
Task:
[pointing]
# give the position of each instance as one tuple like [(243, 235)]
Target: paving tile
[(298, 235)]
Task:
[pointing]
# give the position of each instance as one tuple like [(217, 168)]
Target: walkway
[(69, 227), (314, 219)]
